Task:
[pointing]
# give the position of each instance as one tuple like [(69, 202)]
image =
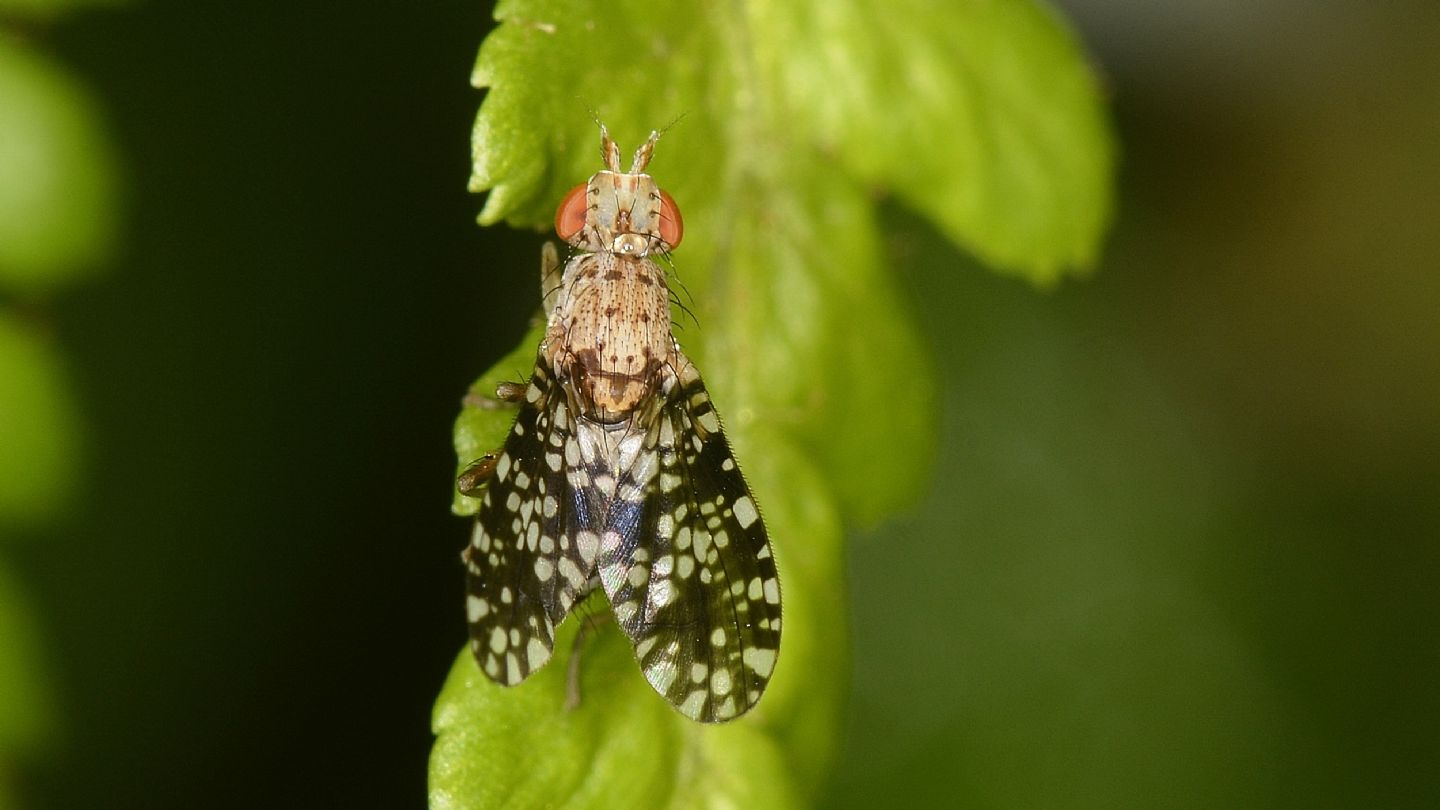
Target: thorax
[(609, 334)]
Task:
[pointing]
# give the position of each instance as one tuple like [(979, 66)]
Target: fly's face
[(617, 212)]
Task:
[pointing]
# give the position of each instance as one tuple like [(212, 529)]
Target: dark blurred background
[(1180, 547)]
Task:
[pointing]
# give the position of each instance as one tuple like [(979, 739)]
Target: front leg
[(478, 473), (551, 275)]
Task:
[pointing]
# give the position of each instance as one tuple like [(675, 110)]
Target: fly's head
[(623, 213)]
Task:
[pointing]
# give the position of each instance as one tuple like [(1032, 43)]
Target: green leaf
[(793, 117), (984, 117), (39, 429), (57, 200), (516, 747)]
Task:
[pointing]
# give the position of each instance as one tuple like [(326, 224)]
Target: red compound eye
[(672, 227), (570, 216)]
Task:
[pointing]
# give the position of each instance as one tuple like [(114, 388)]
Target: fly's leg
[(551, 274), (473, 479)]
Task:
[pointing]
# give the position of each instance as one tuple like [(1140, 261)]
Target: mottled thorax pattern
[(610, 332)]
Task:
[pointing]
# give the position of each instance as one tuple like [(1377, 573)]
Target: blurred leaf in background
[(1181, 550), (789, 130), (57, 207), (57, 223)]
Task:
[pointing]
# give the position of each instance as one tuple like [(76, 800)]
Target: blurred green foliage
[(57, 216), (39, 427), (57, 206), (27, 710)]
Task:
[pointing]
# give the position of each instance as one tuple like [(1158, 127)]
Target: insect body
[(617, 474)]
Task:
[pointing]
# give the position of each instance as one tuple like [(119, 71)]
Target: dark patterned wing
[(686, 562), (532, 553)]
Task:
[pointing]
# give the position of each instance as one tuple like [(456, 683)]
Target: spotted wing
[(532, 553), (686, 563)]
